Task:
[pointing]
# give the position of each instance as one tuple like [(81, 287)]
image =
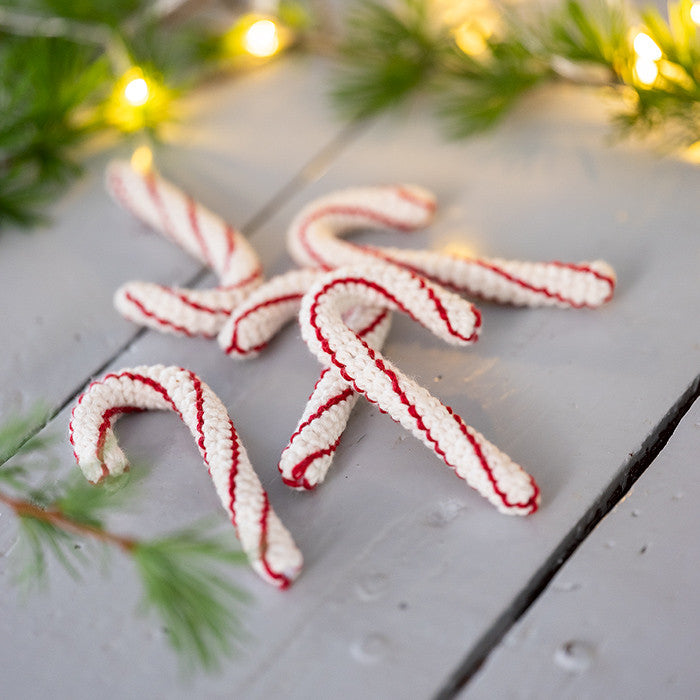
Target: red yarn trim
[(158, 319), (412, 410), (233, 344)]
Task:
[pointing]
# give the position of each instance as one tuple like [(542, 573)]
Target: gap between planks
[(637, 464)]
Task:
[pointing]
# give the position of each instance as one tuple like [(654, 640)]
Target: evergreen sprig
[(388, 53), (185, 575), (59, 63)]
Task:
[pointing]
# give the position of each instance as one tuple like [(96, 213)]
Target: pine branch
[(386, 55), (184, 575), (389, 53)]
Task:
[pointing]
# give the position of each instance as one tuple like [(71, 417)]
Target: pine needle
[(195, 601)]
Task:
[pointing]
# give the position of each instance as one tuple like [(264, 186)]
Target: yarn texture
[(488, 470), (314, 239), (204, 235), (267, 543)]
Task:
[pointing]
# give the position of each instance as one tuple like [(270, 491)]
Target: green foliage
[(59, 61), (19, 432), (195, 601), (38, 539), (386, 55), (389, 53), (477, 93), (184, 575), (672, 104), (41, 105), (596, 32)]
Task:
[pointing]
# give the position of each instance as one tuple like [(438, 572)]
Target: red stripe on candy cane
[(472, 457), (269, 547)]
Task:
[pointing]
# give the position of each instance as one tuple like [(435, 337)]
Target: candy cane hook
[(305, 461), (203, 235), (314, 240), (268, 545), (492, 473)]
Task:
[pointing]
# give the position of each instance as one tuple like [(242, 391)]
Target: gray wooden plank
[(405, 567), (235, 150), (622, 616)]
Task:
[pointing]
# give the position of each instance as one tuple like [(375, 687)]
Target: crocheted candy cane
[(313, 239), (255, 321), (485, 468), (308, 456), (203, 235), (264, 539)]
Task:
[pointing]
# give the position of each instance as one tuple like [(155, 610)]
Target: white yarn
[(203, 235), (308, 456), (264, 539), (481, 464), (314, 239), (256, 320)]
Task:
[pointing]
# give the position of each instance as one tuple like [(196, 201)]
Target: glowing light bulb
[(695, 12), (262, 38), (646, 70), (646, 48), (136, 92)]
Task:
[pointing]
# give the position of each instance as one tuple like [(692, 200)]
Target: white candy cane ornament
[(203, 235), (492, 473), (307, 458), (256, 320), (266, 542), (314, 240)]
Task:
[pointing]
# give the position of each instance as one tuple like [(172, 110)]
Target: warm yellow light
[(695, 12), (646, 48), (646, 70), (137, 101), (142, 159), (458, 249), (469, 39), (262, 38), (136, 92), (692, 153)]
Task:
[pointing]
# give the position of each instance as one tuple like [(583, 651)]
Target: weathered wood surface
[(622, 617), (408, 572)]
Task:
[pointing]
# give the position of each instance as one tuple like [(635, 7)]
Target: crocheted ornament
[(256, 320), (264, 539), (307, 458), (492, 473), (305, 461), (313, 240), (203, 235)]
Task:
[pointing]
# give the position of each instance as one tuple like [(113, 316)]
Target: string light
[(648, 53), (262, 38), (646, 71), (136, 92), (256, 37), (137, 101), (645, 47), (695, 12)]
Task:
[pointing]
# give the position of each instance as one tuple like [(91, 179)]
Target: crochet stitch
[(314, 239), (203, 235), (492, 473), (307, 458), (267, 543)]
